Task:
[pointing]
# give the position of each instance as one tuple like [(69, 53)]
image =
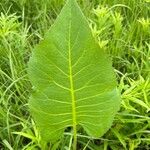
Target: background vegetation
[(122, 28)]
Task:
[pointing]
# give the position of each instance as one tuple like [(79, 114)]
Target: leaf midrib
[(71, 83)]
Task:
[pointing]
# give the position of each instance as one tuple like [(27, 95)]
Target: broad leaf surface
[(74, 83)]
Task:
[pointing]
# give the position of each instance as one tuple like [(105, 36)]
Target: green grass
[(122, 29)]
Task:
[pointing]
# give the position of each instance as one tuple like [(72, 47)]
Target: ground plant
[(73, 79), (122, 31)]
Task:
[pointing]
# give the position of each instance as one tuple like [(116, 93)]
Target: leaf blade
[(75, 67)]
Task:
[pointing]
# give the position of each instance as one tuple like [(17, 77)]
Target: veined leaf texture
[(73, 78)]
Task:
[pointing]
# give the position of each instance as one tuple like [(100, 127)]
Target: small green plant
[(74, 83)]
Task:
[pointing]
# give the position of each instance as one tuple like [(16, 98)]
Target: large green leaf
[(74, 83)]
